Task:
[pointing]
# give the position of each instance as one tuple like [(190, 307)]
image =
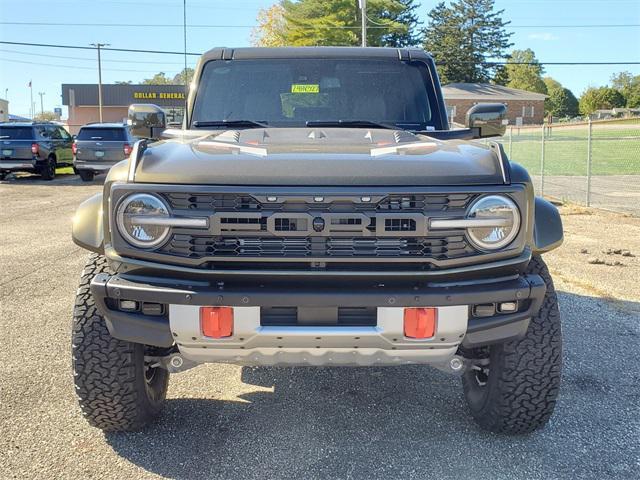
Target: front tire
[(513, 389), (116, 389)]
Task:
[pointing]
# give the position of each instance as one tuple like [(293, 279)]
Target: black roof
[(223, 53)]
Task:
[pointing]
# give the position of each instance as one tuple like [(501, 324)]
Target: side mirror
[(487, 120), (146, 120)]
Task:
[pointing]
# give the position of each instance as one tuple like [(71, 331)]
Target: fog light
[(420, 322), (508, 307), (486, 310), (216, 322), (129, 305), (152, 309)]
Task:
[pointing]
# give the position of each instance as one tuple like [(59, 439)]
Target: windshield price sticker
[(305, 88)]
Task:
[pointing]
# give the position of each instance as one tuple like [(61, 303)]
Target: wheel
[(512, 387), (86, 175), (116, 389), (3, 175), (48, 170)]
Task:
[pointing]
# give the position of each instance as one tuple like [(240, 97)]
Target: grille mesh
[(262, 244), (207, 246)]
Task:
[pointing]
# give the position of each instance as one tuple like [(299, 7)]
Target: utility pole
[(98, 46), (41, 103), (31, 109), (186, 80), (363, 11)]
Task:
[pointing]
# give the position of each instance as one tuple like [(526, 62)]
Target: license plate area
[(7, 152), (99, 153)]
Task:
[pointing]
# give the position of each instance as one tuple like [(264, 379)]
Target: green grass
[(614, 151)]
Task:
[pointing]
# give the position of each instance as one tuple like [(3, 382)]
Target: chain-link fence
[(594, 164)]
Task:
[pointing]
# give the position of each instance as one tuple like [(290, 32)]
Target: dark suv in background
[(38, 147), (98, 146)]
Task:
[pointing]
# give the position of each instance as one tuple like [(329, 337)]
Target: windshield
[(104, 134), (16, 133), (292, 92)]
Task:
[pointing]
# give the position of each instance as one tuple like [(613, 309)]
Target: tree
[(562, 103), (271, 28), (179, 78), (406, 16), (463, 37), (45, 116), (551, 83), (525, 72), (391, 23), (600, 98), (123, 82), (629, 86), (158, 79)]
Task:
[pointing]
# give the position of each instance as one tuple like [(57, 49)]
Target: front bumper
[(254, 344)]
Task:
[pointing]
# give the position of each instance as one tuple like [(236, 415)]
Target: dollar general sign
[(158, 95)]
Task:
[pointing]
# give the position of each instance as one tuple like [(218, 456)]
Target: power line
[(49, 45), (338, 27), (85, 58), (74, 68), (111, 49)]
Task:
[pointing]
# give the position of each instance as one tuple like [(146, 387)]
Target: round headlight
[(136, 216), (504, 228)]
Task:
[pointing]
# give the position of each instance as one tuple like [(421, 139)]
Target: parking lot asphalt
[(226, 421)]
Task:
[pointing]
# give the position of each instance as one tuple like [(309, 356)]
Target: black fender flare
[(547, 227), (87, 230)]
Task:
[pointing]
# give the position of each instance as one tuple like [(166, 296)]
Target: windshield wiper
[(230, 123), (350, 124)]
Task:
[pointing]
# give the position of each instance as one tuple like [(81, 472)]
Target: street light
[(98, 46)]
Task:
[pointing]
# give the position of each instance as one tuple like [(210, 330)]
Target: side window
[(63, 134), (41, 131), (54, 133)]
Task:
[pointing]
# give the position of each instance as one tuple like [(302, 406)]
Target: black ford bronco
[(316, 209)]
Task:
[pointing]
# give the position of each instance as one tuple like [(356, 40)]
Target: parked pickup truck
[(316, 209)]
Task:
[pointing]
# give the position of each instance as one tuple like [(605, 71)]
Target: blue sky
[(533, 22)]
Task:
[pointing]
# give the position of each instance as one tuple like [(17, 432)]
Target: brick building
[(523, 108)]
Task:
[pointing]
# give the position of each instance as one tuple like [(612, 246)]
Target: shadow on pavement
[(67, 179), (404, 422)]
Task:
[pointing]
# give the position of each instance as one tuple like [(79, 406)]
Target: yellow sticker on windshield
[(305, 88)]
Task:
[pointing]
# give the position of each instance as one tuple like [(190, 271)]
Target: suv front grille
[(439, 248), (318, 228)]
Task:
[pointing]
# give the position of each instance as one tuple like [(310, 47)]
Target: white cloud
[(544, 36)]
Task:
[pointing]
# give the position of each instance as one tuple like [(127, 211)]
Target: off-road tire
[(114, 389), (86, 175), (520, 390), (48, 169)]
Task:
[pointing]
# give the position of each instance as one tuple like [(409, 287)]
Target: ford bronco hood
[(318, 156)]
